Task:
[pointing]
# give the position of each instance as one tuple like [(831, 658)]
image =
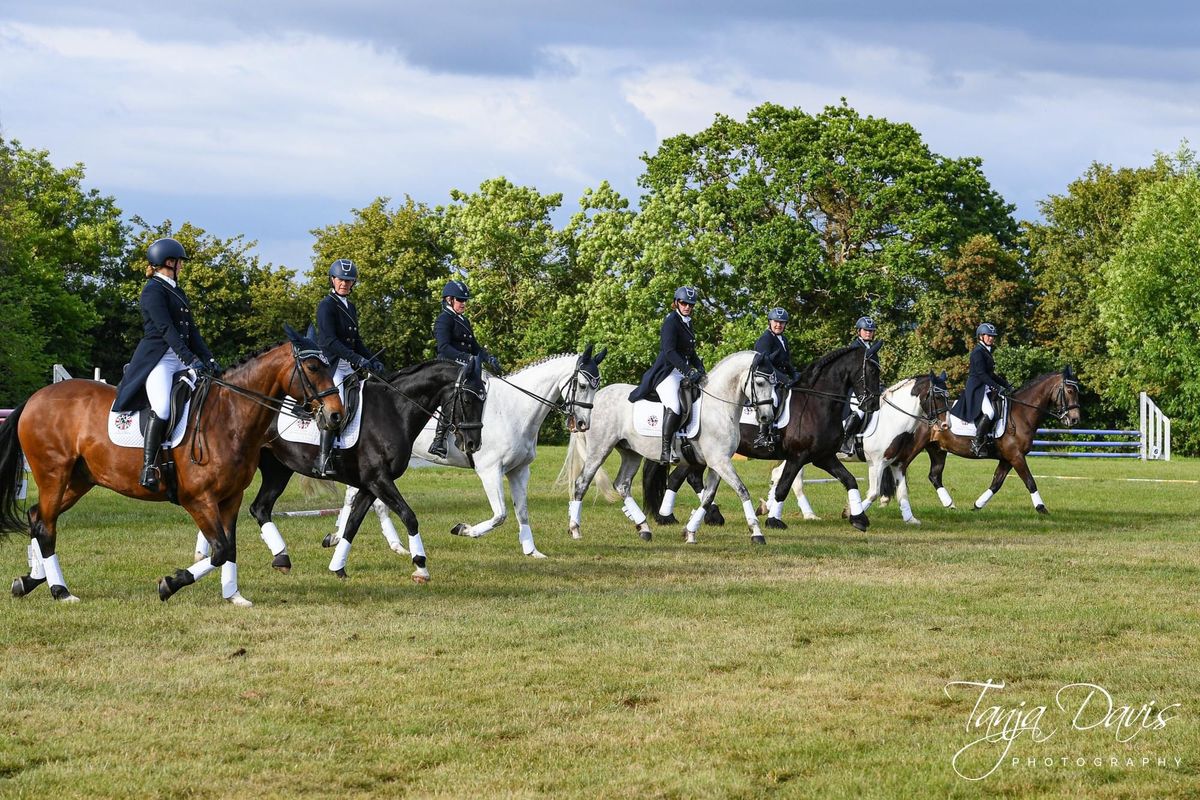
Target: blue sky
[(273, 118)]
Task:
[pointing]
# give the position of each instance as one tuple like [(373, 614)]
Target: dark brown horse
[(62, 430), (1053, 394)]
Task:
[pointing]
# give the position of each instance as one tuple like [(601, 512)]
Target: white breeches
[(339, 376), (987, 408), (668, 390), (158, 383)]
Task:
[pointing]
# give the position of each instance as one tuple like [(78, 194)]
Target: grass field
[(815, 666)]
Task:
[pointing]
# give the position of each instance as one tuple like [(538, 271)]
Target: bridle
[(568, 392), (1065, 407), (862, 384), (930, 412), (756, 371)]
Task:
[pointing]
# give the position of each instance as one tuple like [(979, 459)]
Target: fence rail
[(1151, 441)]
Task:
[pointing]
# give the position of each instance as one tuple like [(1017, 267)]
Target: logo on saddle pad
[(123, 421)]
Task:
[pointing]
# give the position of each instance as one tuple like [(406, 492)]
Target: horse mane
[(1039, 379), (246, 359), (541, 361), (412, 368), (815, 366)]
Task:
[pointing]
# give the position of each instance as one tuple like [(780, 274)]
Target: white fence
[(1150, 442), (1155, 429)]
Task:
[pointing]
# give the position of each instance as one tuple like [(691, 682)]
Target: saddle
[(962, 427), (353, 399)]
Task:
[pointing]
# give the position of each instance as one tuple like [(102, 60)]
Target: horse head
[(308, 376), (1068, 398), (760, 388), (580, 391), (466, 406)]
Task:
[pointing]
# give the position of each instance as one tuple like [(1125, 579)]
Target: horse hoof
[(536, 554), (25, 584), (399, 550), (758, 538), (282, 562), (1041, 509), (713, 516), (776, 523), (689, 537), (669, 519), (341, 574), (976, 508), (330, 540), (63, 595), (860, 522), (913, 521), (421, 576), (460, 529), (762, 509), (236, 599), (199, 556), (646, 534), (575, 532)]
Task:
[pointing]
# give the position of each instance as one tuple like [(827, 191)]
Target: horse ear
[(1068, 374), (291, 332), (476, 367), (600, 356), (587, 352), (312, 332), (944, 376), (874, 348)]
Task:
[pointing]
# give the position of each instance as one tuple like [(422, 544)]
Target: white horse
[(733, 383), (904, 407), (515, 409)]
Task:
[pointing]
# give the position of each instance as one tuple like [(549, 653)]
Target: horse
[(62, 430), (516, 408), (394, 409), (813, 433), (907, 409), (738, 380), (1051, 394)]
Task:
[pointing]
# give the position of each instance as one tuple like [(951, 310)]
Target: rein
[(436, 413), (1064, 408), (568, 401), (930, 416)]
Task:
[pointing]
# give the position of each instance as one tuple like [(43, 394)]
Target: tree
[(1147, 304), (398, 262)]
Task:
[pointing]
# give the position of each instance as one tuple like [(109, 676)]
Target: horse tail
[(573, 466), (11, 463), (887, 484), (315, 488), (654, 484)]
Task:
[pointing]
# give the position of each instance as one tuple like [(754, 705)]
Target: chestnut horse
[(1053, 394), (62, 430)]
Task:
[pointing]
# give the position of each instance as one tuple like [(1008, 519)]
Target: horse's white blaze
[(341, 553), (1037, 499), (667, 506), (633, 511), (271, 537), (983, 498), (944, 496)]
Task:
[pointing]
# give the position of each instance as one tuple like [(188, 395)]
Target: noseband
[(458, 411), (311, 395), (1065, 407), (570, 396)]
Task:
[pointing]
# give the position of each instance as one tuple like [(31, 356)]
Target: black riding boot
[(671, 422), (324, 467), (766, 436), (153, 443), (853, 424), (983, 426), (438, 446)]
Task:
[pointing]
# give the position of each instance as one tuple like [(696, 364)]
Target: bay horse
[(517, 406), (62, 431), (813, 433), (1052, 394), (738, 380), (394, 410)]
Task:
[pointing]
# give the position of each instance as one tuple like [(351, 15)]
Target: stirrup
[(151, 478), (438, 448)]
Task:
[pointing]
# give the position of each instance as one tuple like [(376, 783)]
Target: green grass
[(812, 667)]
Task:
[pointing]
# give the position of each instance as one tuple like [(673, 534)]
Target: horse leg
[(665, 513), (363, 500), (518, 484), (229, 581), (858, 517), (390, 496), (630, 461), (697, 517), (593, 460), (1001, 473), (901, 476), (937, 465), (712, 511), (275, 477), (211, 518), (493, 486), (44, 566), (1022, 468), (723, 469), (875, 470), (784, 476)]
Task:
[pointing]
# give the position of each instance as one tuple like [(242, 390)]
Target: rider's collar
[(686, 320), (169, 281), (446, 307), (345, 300)]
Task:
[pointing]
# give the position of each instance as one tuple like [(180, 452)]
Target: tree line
[(831, 215)]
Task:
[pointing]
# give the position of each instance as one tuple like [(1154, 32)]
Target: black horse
[(394, 410), (813, 434)]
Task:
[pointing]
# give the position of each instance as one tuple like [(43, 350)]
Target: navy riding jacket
[(456, 339), (677, 350), (337, 330), (979, 379)]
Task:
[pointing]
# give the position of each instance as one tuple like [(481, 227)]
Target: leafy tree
[(398, 262), (1147, 303)]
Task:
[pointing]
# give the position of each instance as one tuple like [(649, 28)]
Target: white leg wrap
[(805, 507), (344, 514), (748, 510), (1037, 499), (945, 497), (525, 535), (340, 553), (416, 546), (229, 579), (983, 498), (905, 510), (575, 511), (630, 507), (483, 527), (776, 509), (54, 575), (37, 567), (201, 568), (202, 545), (856, 506), (695, 520), (386, 524), (272, 538), (867, 503), (668, 504)]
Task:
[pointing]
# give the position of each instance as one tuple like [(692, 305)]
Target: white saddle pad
[(305, 431), (125, 430), (960, 427), (648, 414), (750, 418)]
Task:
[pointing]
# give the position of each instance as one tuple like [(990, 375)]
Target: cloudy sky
[(272, 118)]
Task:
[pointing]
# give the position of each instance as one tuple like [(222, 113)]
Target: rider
[(456, 342), (677, 362), (975, 403), (864, 337), (170, 343), (338, 336), (774, 348)]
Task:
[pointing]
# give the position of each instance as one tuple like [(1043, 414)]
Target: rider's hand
[(199, 367), (376, 365), (494, 364), (214, 368)]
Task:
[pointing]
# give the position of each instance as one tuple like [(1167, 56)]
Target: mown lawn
[(816, 666)]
